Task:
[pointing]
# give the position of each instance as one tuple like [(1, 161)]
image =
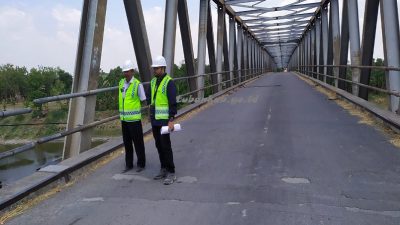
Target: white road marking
[(129, 177), (244, 212), (187, 179), (233, 203), (295, 180), (98, 199)]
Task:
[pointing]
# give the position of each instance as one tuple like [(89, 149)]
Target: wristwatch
[(171, 119)]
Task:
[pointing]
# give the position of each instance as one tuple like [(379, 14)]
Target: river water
[(26, 163)]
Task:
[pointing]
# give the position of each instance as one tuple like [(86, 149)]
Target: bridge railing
[(322, 76), (240, 77)]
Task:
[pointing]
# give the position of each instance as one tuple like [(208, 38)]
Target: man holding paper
[(163, 108)]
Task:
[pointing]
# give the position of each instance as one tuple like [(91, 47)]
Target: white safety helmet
[(127, 66), (159, 61)]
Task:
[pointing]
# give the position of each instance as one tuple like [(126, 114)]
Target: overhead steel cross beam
[(277, 34), (263, 19), (282, 44), (285, 29), (279, 42), (292, 22), (274, 9), (281, 37), (234, 2)]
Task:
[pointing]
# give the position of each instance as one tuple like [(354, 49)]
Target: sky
[(45, 32)]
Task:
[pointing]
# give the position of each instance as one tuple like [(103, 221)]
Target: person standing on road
[(131, 93), (163, 108)]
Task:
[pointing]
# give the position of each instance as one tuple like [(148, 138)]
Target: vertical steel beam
[(325, 32), (318, 45), (262, 58), (302, 54), (306, 50), (245, 55), (309, 62), (171, 9), (220, 43), (255, 54), (235, 56), (225, 54), (232, 46), (296, 62), (249, 58), (390, 31), (312, 55), (201, 50), (344, 46), (368, 43), (211, 50), (355, 50), (258, 57), (298, 57), (187, 45), (329, 61), (87, 67), (335, 36), (137, 28)]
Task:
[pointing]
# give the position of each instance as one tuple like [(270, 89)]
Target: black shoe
[(127, 168), (161, 175), (139, 169)]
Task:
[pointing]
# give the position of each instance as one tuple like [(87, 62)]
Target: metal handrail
[(15, 112), (92, 92), (357, 67), (359, 84), (97, 91), (42, 140)]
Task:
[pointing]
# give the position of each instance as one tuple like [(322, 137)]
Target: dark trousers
[(163, 145), (133, 131)]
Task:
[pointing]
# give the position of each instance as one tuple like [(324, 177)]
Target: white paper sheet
[(177, 127)]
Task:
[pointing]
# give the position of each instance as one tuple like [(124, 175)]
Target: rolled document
[(164, 129)]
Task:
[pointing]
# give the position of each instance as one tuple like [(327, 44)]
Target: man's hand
[(170, 126)]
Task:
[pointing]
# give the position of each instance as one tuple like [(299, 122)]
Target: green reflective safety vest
[(161, 101), (129, 106)]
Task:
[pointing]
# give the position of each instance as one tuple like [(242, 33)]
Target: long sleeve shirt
[(172, 105)]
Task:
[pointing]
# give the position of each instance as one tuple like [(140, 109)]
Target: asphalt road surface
[(276, 152)]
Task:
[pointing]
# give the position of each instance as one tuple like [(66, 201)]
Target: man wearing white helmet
[(163, 109), (131, 93)]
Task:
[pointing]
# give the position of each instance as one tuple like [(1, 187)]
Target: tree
[(66, 80), (13, 84), (109, 100), (378, 78)]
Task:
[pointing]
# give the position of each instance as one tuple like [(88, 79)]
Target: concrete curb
[(387, 117), (30, 184)]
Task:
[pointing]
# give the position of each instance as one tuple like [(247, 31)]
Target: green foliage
[(13, 84), (182, 86), (19, 85), (109, 100), (378, 78)]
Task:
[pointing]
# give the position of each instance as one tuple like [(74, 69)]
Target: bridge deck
[(236, 163)]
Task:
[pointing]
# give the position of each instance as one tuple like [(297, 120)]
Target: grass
[(380, 99)]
